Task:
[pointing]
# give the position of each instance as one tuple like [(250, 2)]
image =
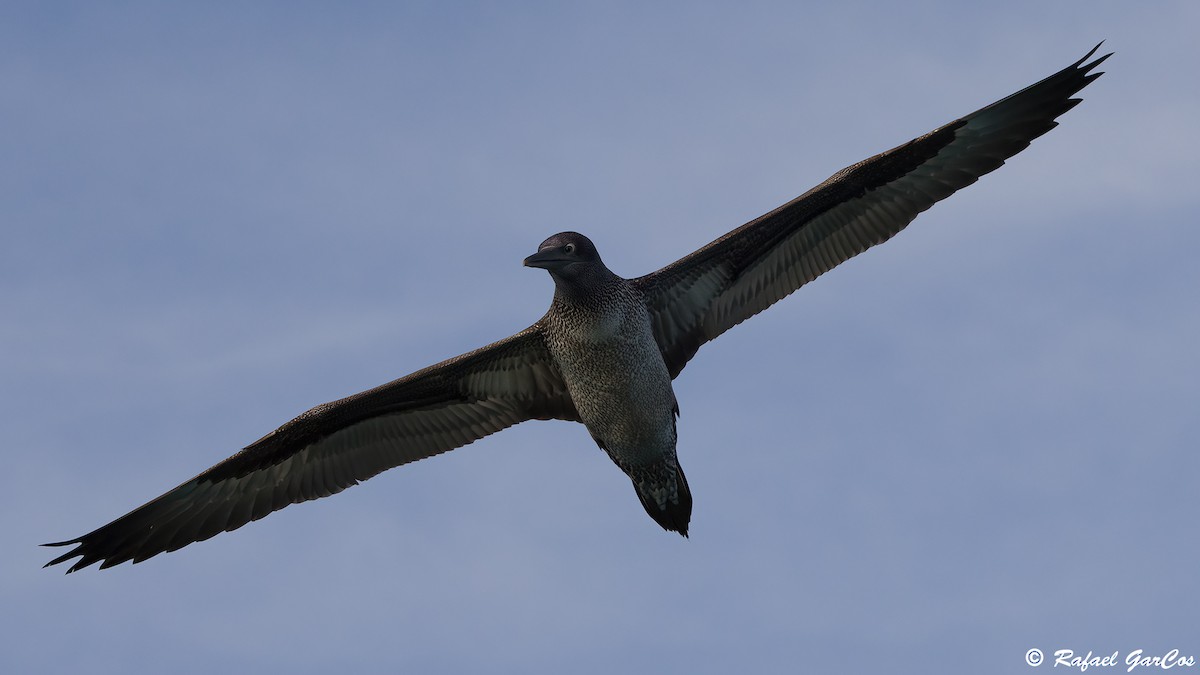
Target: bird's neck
[(589, 286)]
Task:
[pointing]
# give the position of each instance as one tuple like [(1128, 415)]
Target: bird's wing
[(338, 444), (737, 276)]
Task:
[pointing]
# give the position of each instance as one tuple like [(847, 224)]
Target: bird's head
[(564, 251), (573, 263)]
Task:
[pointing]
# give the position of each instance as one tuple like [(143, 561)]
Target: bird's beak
[(548, 259)]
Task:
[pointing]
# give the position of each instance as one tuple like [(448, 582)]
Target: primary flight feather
[(606, 351)]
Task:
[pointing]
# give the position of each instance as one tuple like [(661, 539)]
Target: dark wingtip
[(1089, 54), (62, 559), (1089, 66), (73, 553)]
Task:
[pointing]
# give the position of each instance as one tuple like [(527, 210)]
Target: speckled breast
[(616, 376)]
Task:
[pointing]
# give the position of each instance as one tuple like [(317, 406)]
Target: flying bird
[(606, 351)]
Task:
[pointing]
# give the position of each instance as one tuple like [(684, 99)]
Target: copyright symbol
[(1034, 657)]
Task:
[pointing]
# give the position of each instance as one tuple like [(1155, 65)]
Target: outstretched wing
[(737, 276), (338, 444)]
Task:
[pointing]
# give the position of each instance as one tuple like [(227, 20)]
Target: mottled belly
[(623, 394)]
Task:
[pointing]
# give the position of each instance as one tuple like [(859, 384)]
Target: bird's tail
[(664, 493)]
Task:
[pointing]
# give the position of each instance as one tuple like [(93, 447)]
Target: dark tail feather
[(678, 513)]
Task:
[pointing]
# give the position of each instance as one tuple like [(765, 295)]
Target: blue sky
[(974, 440)]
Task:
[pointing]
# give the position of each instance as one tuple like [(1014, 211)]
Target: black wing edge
[(109, 543), (677, 353), (90, 555)]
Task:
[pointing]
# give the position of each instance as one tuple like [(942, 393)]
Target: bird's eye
[(569, 249)]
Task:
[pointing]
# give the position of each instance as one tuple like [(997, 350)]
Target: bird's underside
[(673, 311)]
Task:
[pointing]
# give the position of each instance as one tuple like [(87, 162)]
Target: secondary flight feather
[(606, 351)]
